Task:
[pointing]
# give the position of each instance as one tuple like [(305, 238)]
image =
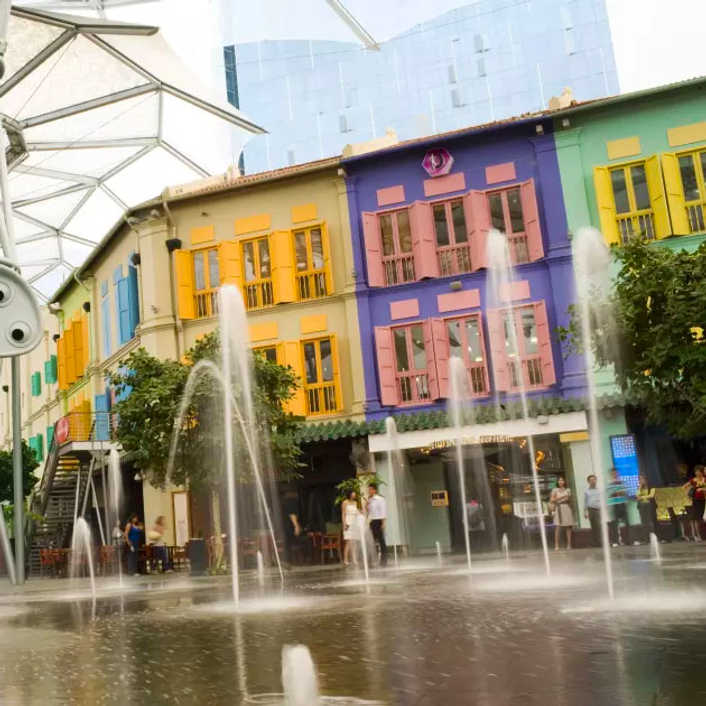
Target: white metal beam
[(54, 174), (183, 158), (340, 9), (89, 144), (20, 203)]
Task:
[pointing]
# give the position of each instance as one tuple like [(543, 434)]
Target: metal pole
[(17, 470)]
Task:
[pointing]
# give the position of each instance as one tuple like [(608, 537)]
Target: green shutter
[(40, 446), (36, 384), (50, 371), (50, 437), (33, 446)]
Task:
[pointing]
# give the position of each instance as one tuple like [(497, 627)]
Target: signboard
[(439, 498), (625, 460), (437, 162), (62, 431)]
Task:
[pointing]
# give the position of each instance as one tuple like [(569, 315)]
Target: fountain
[(7, 551), (260, 569), (655, 551), (299, 680), (591, 271), (241, 434), (395, 470), (438, 552), (362, 528), (505, 543), (499, 281), (82, 548), (115, 482)]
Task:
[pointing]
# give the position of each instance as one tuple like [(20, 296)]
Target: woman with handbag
[(560, 505), (697, 492)]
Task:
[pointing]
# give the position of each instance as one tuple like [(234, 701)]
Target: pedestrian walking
[(133, 537), (377, 515), (592, 509), (647, 505), (560, 504), (617, 499), (350, 517)]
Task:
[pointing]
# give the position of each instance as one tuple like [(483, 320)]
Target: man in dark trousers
[(592, 509), (377, 514)]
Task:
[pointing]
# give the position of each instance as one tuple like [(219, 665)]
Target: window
[(321, 376), (507, 216), (466, 342), (257, 269), (451, 237), (311, 272), (692, 169), (632, 202), (267, 352), (411, 364), (397, 256), (206, 282)]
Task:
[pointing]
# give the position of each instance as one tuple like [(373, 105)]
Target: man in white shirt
[(377, 514)]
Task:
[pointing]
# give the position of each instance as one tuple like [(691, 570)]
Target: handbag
[(692, 491)]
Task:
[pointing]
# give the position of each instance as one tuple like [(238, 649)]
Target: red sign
[(437, 162), (62, 431)]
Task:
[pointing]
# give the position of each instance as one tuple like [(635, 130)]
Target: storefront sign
[(466, 441), (439, 498)]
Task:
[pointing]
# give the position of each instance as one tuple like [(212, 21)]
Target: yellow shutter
[(658, 200), (184, 269), (61, 363), (326, 244), (606, 205), (280, 353), (86, 342), (69, 348), (336, 372), (675, 194), (77, 329), (293, 358), (282, 257), (229, 266)]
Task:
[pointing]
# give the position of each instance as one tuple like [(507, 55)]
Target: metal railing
[(321, 398), (454, 259), (519, 248), (532, 371), (206, 303), (412, 387), (479, 379), (312, 285), (258, 294), (637, 224), (695, 214), (399, 268)]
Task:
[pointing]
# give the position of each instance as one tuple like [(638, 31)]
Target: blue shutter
[(105, 325), (133, 299), (100, 405), (126, 390), (123, 311)]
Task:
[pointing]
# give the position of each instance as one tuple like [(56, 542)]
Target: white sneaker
[(636, 543), (614, 545)]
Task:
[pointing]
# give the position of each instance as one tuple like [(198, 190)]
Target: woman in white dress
[(560, 503), (350, 516)]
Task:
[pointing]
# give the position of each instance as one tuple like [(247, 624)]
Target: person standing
[(697, 493), (560, 500), (616, 499), (647, 506), (350, 514), (592, 509), (133, 536), (377, 514), (292, 528), (156, 539)]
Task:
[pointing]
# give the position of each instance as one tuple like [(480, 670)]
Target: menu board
[(625, 460)]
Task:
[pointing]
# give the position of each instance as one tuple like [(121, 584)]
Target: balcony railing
[(321, 398), (206, 303), (695, 214), (519, 249), (479, 379), (532, 370), (638, 224), (454, 259), (312, 285), (399, 268), (258, 294), (412, 387)]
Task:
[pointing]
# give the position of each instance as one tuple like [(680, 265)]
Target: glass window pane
[(688, 178), (475, 353), (199, 274), (249, 261), (326, 360), (214, 279), (515, 207), (271, 354), (620, 192), (639, 186), (509, 337), (442, 231), (420, 356), (388, 243), (459, 221), (529, 332), (455, 345), (263, 252), (496, 211), (404, 234), (300, 247), (317, 249), (310, 363), (400, 335)]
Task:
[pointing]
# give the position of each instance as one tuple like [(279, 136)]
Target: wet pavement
[(424, 635)]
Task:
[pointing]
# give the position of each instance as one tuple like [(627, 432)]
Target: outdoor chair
[(330, 543)]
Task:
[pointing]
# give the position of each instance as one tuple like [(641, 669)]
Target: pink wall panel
[(453, 301), (514, 291), (390, 195), (500, 172), (445, 185), (404, 309)]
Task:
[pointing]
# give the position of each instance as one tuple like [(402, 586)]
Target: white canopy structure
[(100, 116)]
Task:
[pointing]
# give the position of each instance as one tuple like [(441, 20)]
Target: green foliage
[(29, 463), (356, 483), (147, 415), (656, 314)]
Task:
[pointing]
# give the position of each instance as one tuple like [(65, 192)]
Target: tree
[(651, 328), (29, 463)]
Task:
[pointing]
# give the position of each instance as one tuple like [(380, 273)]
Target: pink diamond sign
[(437, 162)]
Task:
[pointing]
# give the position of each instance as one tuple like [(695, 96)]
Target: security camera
[(20, 330)]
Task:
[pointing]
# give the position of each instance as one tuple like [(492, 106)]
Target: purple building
[(420, 214)]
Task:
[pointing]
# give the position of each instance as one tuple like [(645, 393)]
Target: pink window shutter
[(477, 212), (545, 343), (386, 365), (373, 249), (498, 355), (423, 240), (531, 216), (441, 355), (432, 375)]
